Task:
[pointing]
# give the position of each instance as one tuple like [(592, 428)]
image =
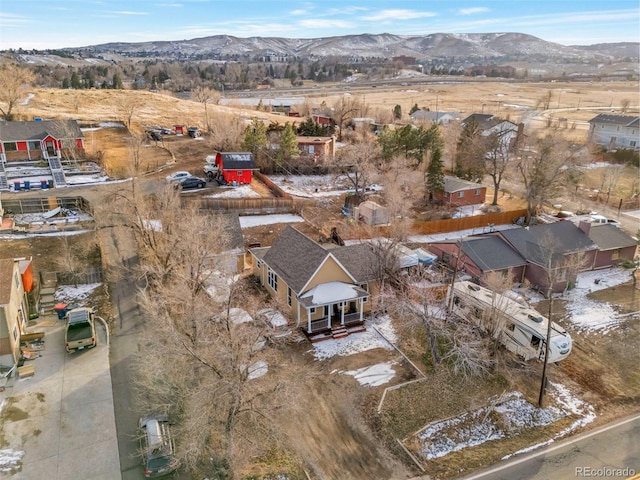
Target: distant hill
[(483, 46)]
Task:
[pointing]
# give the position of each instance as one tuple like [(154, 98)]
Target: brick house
[(458, 192)]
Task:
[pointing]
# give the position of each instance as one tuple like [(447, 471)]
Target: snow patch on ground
[(239, 315), (509, 417), (257, 220), (373, 375), (243, 191), (72, 294), (258, 369), (10, 460), (358, 342), (312, 186)]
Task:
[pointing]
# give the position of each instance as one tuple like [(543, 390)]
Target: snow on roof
[(331, 292)]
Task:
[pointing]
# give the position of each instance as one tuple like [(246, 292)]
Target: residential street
[(614, 446)]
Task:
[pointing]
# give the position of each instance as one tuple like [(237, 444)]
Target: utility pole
[(543, 384)]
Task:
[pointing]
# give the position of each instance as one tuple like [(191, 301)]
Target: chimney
[(585, 226)]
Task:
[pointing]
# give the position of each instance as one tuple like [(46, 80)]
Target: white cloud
[(298, 12), (324, 23), (398, 15), (472, 10), (8, 20), (129, 12)]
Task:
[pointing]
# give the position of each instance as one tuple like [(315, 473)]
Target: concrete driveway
[(59, 423)]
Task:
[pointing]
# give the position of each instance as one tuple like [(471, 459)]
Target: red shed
[(236, 167)]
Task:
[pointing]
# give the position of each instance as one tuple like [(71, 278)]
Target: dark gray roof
[(294, 257), (22, 131), (233, 230), (609, 237), (562, 237), (491, 252), (455, 184), (359, 259), (238, 161), (484, 121), (622, 120)]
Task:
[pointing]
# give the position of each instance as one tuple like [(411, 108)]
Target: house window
[(11, 146), (289, 296), (272, 279), (477, 192), (325, 310), (632, 143), (34, 145), (460, 194), (312, 310), (615, 254), (365, 299)]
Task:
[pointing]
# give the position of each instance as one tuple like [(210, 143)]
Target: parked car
[(157, 446), (177, 176), (603, 219), (190, 182), (80, 331), (194, 132)]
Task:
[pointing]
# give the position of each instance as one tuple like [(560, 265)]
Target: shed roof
[(237, 160)]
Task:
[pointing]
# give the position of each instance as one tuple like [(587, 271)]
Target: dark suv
[(156, 446)]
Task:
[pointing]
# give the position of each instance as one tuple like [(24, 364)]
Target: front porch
[(342, 307)]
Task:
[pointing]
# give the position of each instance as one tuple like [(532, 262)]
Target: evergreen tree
[(65, 83), (435, 173), (470, 152), (397, 112), (255, 137), (117, 81), (75, 81), (288, 145), (414, 108)]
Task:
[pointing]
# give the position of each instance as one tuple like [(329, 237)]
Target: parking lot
[(59, 423)]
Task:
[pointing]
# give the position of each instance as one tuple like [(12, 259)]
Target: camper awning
[(424, 257)]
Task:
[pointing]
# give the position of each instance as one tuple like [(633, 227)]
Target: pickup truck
[(80, 332)]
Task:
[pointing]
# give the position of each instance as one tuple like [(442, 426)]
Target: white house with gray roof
[(615, 131)]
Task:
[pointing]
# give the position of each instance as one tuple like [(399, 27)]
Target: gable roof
[(455, 184), (491, 252), (622, 120), (609, 237), (434, 116), (21, 131), (294, 257), (563, 237), (237, 161), (359, 259)]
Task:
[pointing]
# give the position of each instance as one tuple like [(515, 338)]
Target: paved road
[(596, 454)]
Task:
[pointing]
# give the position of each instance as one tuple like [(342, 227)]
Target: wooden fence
[(466, 223), (79, 278), (40, 205), (248, 206), (275, 189)]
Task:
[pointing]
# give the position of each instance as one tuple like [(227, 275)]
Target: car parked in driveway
[(157, 446), (175, 176), (190, 182)]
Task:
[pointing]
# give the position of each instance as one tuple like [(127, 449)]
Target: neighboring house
[(561, 244), (615, 131), (326, 290), (236, 167), (480, 255), (614, 245), (14, 310), (458, 192), (52, 141), (508, 132), (441, 118), (324, 120), (318, 148)]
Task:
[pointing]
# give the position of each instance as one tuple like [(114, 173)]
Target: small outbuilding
[(371, 213), (236, 167)]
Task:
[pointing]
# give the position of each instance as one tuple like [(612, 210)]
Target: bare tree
[(542, 167), (205, 95), (128, 104), (227, 132), (497, 159), (14, 82), (201, 360), (624, 103), (344, 109)]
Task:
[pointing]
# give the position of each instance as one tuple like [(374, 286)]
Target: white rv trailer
[(521, 328)]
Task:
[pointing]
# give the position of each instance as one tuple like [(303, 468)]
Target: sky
[(43, 24)]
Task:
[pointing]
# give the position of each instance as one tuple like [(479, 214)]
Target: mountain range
[(486, 46)]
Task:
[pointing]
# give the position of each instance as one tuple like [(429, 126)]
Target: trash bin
[(43, 184), (27, 185), (16, 186), (51, 183), (61, 309)]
